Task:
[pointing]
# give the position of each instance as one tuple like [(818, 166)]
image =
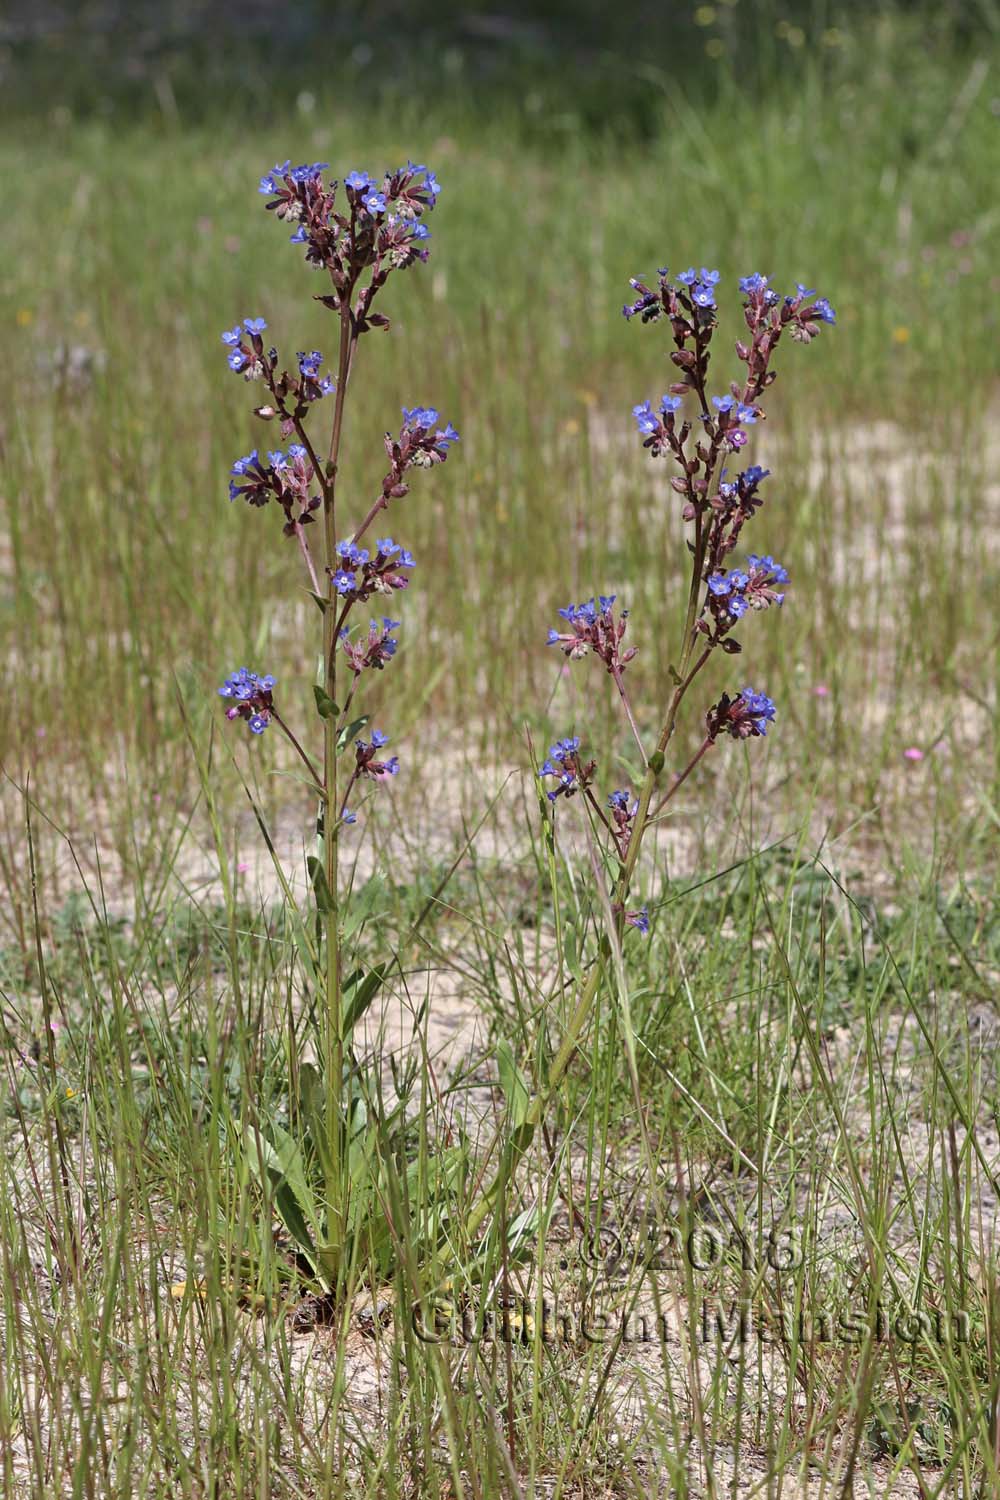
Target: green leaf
[(321, 603), (656, 762), (513, 1083), (324, 900), (361, 905), (366, 987), (278, 1165), (312, 1110), (325, 706), (350, 731)]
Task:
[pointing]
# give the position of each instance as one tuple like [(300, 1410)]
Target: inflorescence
[(252, 697), (698, 442), (359, 232)]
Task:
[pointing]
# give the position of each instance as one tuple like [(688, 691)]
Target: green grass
[(813, 1018)]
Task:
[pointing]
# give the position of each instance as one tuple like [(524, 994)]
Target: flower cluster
[(285, 477), (358, 574), (246, 348), (565, 764), (252, 697), (736, 500), (367, 762), (376, 226), (694, 296), (690, 306), (593, 627), (732, 593), (744, 717), (623, 809), (293, 393), (657, 428), (421, 444), (373, 650)]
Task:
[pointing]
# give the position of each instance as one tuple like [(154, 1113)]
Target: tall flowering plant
[(356, 234), (700, 433)]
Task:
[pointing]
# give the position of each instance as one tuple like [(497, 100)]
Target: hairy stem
[(334, 996), (317, 778), (518, 1144), (307, 556), (619, 684)]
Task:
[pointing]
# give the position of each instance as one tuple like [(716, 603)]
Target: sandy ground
[(691, 846)]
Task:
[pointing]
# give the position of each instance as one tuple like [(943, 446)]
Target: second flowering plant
[(700, 433)]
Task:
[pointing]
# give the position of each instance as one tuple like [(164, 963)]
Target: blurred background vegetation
[(848, 145)]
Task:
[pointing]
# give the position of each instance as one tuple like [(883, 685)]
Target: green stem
[(334, 1041), (518, 1143)]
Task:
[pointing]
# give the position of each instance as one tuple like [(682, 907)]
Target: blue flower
[(737, 606), (343, 581), (586, 613), (406, 559), (418, 231), (247, 688), (358, 181), (300, 236), (824, 311), (387, 547), (296, 450), (645, 419), (639, 919), (755, 282), (718, 584), (238, 684), (254, 325), (688, 277), (709, 278), (374, 203), (236, 361), (767, 564), (309, 364), (233, 335), (759, 708), (804, 291), (277, 460), (352, 553), (419, 416), (563, 763), (379, 739), (243, 465), (703, 296), (619, 802), (746, 414), (724, 403), (307, 170), (348, 817), (272, 183), (752, 477), (670, 403)]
